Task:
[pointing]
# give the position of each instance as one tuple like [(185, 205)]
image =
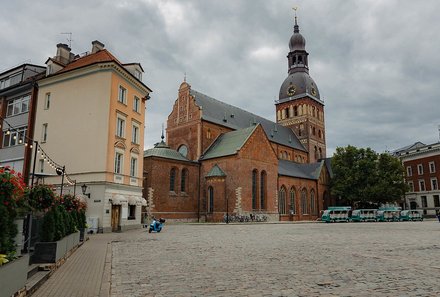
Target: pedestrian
[(438, 214)]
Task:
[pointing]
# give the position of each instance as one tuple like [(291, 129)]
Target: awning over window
[(132, 200), (118, 200)]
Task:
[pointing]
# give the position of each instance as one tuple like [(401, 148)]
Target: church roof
[(216, 171), (161, 150), (293, 169), (229, 143), (233, 117)]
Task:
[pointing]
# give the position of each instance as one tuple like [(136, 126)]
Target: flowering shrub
[(42, 197), (12, 189)]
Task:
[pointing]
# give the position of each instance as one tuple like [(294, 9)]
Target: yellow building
[(90, 117)]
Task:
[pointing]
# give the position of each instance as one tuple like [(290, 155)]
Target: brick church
[(219, 159)]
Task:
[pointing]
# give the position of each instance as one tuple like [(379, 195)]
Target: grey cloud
[(376, 63)]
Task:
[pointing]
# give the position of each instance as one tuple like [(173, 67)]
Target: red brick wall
[(171, 205), (309, 121), (257, 154), (299, 185), (426, 176)]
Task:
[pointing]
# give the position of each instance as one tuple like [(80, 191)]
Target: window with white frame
[(120, 127), (421, 185), (41, 165), (44, 133), (135, 134), (15, 137), (122, 97), (431, 167), (434, 185), (119, 159), (136, 103), (420, 169), (18, 105), (411, 186), (138, 74), (133, 166), (409, 171), (47, 101)]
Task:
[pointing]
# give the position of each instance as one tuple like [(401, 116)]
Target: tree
[(366, 179)]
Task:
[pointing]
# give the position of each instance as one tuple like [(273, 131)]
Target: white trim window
[(47, 101), (422, 185), (133, 167), (44, 133), (420, 169), (434, 184), (15, 137), (136, 103), (119, 161), (408, 171), (120, 127), (18, 105), (431, 167), (135, 134), (411, 186), (41, 161), (122, 96)]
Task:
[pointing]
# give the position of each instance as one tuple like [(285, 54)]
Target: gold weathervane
[(295, 8)]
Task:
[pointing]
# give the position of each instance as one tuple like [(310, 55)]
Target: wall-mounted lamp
[(84, 189)]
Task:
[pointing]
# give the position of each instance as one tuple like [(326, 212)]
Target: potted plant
[(13, 269)]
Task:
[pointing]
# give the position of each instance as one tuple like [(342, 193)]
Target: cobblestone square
[(312, 259)]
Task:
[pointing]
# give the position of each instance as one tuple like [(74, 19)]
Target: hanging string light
[(28, 142)]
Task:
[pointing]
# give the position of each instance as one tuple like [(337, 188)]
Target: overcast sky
[(376, 63)]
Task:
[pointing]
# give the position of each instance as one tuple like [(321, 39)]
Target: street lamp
[(84, 189)]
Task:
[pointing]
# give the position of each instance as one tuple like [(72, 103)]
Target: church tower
[(299, 106)]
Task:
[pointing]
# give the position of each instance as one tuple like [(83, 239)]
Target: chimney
[(97, 46), (63, 53)]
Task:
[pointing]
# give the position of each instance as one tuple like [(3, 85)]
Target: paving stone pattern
[(342, 259)]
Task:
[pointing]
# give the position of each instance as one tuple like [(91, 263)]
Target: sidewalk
[(85, 273)]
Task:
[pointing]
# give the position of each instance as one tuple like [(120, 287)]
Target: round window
[(183, 150)]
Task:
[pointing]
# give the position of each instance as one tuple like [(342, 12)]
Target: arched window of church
[(314, 111), (263, 190), (295, 110), (312, 202), (304, 209), (320, 153), (210, 199), (173, 179), (319, 133), (183, 180), (254, 188), (313, 131), (292, 201), (287, 113), (300, 59), (316, 152), (282, 200), (208, 134)]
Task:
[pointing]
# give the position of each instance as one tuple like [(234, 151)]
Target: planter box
[(51, 252), (13, 275)]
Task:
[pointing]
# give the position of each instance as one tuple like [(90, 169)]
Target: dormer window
[(49, 70), (138, 74)]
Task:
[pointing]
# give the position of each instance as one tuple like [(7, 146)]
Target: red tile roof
[(98, 57)]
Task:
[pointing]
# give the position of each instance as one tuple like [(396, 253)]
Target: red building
[(422, 164), (220, 159)]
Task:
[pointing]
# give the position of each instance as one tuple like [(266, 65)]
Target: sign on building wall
[(124, 212)]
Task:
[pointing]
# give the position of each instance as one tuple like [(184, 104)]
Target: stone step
[(32, 269), (36, 280)]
